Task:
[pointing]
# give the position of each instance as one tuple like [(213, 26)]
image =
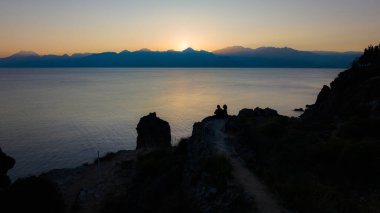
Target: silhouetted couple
[(221, 113)]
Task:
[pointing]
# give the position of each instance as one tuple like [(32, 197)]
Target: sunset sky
[(70, 26)]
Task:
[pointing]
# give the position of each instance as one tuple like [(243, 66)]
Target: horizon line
[(175, 50)]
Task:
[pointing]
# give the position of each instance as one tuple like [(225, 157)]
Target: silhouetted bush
[(181, 148), (34, 194), (156, 186), (273, 127), (371, 56)]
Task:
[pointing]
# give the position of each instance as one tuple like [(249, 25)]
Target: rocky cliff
[(327, 160), (355, 92)]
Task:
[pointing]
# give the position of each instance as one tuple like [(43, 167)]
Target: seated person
[(224, 111), (218, 112)]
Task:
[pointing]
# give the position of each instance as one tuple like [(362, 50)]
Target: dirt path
[(251, 184)]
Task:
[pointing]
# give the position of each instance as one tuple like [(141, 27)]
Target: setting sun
[(183, 45)]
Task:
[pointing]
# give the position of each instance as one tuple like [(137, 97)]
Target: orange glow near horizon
[(67, 27), (85, 47), (178, 47)]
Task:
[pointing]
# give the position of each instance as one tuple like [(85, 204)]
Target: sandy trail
[(251, 184)]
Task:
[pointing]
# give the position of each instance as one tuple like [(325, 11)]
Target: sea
[(62, 117)]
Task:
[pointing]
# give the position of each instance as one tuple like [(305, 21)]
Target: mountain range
[(235, 56)]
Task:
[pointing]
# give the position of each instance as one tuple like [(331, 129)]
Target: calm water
[(55, 118)]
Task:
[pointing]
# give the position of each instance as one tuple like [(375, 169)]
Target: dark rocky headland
[(327, 160)]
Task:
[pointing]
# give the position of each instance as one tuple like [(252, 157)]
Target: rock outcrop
[(6, 163), (298, 110), (153, 132), (355, 92), (258, 112)]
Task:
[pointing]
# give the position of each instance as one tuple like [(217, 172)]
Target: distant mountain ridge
[(276, 51), (289, 57), (234, 56)]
